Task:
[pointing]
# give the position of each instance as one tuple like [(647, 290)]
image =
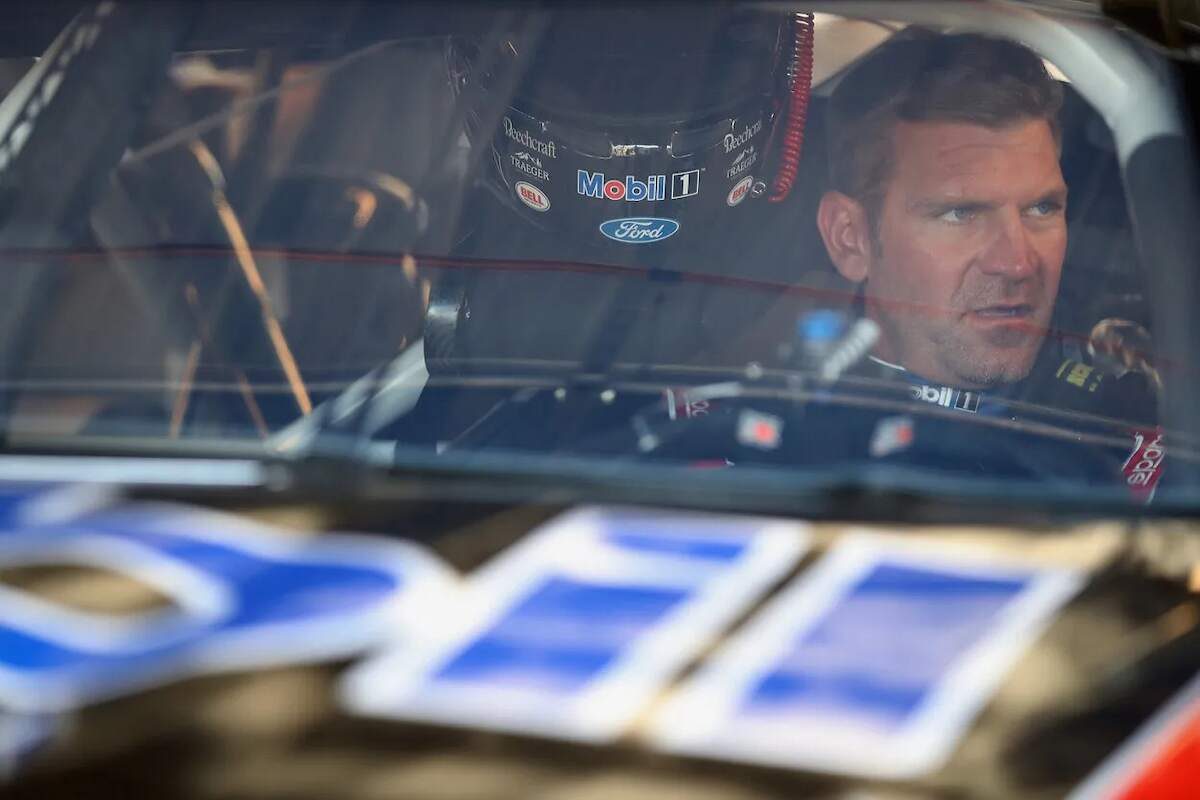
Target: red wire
[(797, 114)]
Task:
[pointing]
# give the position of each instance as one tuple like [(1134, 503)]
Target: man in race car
[(947, 208)]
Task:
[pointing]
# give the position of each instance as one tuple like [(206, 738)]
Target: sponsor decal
[(593, 184), (735, 140), (575, 630), (244, 595), (873, 663), (739, 191), (966, 401), (654, 187), (685, 184), (680, 407), (1079, 375), (530, 165), (532, 196), (36, 503), (946, 397), (744, 161), (528, 140), (891, 435), (759, 430), (1144, 466), (639, 230)]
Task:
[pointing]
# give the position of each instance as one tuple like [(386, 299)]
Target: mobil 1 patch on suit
[(572, 632), (872, 663)]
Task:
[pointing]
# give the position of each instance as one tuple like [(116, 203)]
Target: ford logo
[(639, 230)]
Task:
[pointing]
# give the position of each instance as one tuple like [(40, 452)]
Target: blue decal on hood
[(639, 230)]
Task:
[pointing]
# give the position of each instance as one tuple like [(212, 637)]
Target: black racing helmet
[(632, 127)]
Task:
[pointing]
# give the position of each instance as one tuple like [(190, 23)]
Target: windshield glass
[(806, 243)]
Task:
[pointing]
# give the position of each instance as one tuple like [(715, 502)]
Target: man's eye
[(1046, 208), (958, 215)]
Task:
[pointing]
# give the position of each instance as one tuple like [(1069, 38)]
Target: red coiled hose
[(800, 71)]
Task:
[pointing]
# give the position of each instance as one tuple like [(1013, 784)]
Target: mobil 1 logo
[(631, 189), (685, 184), (947, 397)]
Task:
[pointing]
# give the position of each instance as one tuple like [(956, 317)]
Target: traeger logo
[(529, 164), (735, 140), (744, 161), (526, 139)]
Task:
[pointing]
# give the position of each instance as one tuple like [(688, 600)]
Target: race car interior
[(458, 400), (280, 239)]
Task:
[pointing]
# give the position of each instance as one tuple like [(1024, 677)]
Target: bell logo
[(739, 191), (532, 196)]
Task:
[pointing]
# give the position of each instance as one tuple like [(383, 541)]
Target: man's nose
[(1010, 254)]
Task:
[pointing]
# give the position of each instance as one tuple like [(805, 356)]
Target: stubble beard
[(967, 356), (978, 362)]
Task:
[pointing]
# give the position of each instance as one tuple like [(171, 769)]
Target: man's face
[(964, 267)]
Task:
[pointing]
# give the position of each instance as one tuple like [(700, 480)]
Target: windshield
[(802, 243)]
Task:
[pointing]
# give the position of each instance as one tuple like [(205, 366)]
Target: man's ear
[(846, 231)]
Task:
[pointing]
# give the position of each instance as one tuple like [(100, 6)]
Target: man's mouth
[(1015, 311)]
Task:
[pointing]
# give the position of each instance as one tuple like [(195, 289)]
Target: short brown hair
[(920, 76)]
